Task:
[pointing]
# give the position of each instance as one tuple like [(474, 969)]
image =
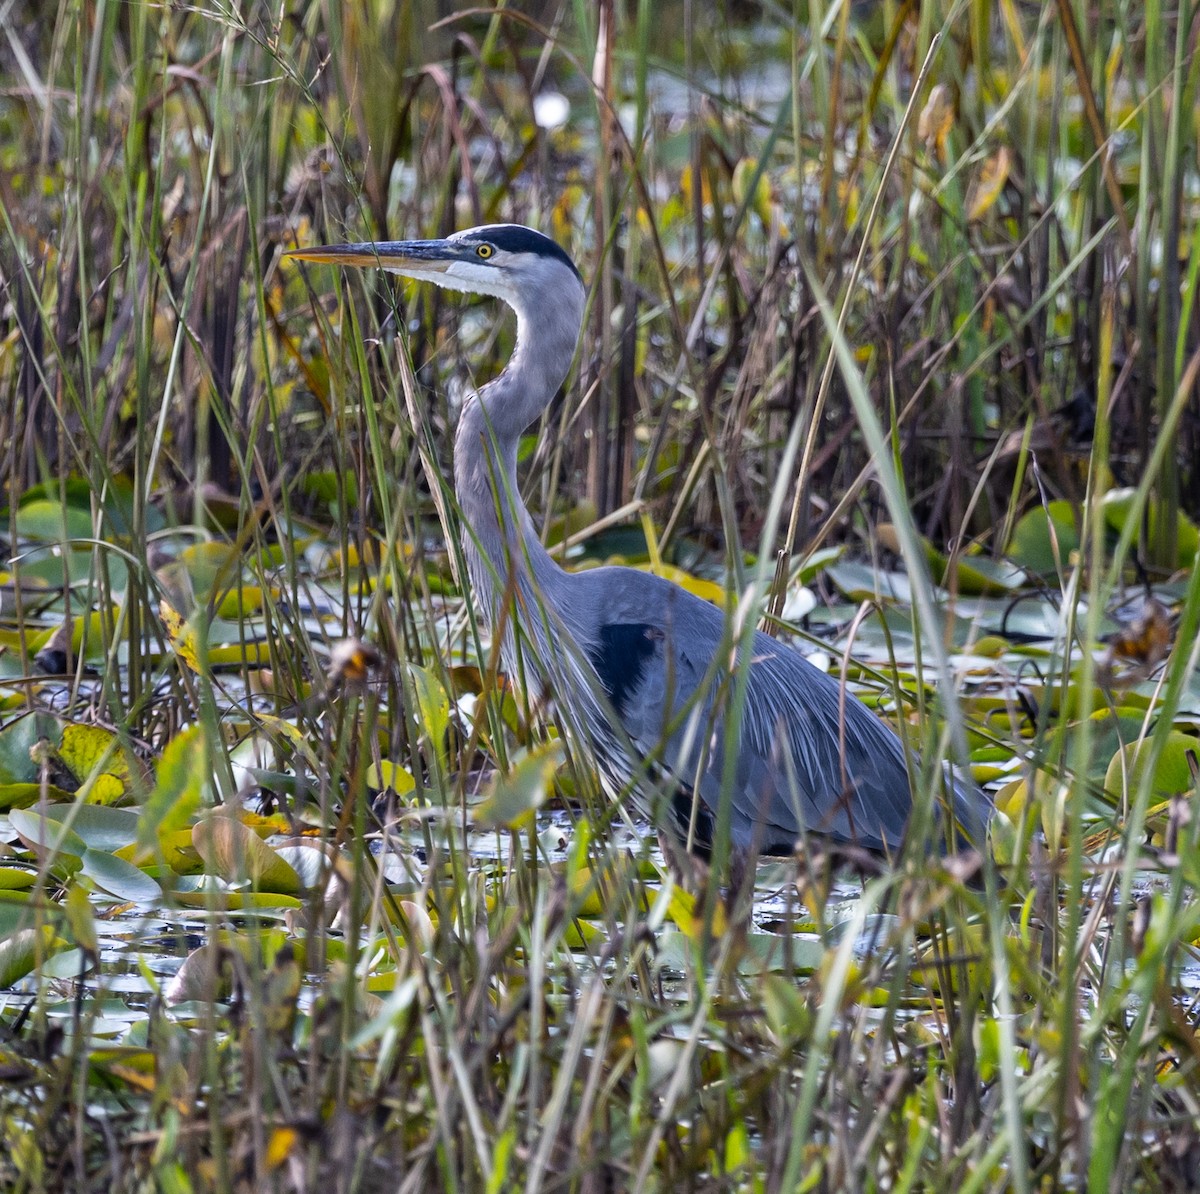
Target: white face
[(482, 268), (531, 282)]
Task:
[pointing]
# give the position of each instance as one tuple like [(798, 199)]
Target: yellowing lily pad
[(94, 757), (235, 853), (386, 775), (1171, 774), (22, 951), (689, 918), (972, 576), (182, 782), (23, 795)]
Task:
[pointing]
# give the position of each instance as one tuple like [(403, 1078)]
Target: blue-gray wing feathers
[(808, 757)]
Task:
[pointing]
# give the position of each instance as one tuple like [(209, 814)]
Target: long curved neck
[(500, 541)]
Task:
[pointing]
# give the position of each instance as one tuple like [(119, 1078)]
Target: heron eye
[(484, 251)]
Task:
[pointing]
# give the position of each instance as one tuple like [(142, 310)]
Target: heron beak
[(399, 256)]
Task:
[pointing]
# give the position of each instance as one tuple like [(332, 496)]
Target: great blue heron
[(644, 671)]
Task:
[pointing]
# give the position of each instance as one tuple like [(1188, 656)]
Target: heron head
[(508, 261)]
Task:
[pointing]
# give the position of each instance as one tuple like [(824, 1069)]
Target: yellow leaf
[(238, 654), (937, 119), (386, 774), (762, 202), (174, 848), (133, 1077), (242, 602), (988, 187), (682, 910), (94, 757), (206, 561), (105, 789), (281, 1145), (182, 636), (973, 576), (696, 585)]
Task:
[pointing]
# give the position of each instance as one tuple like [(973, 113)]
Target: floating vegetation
[(298, 890)]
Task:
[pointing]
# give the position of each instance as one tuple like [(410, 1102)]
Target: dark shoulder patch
[(621, 656), (516, 238)]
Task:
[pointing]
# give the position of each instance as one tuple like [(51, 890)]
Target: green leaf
[(433, 707), (42, 834), (120, 500), (1118, 507), (16, 912), (25, 794), (737, 1147), (120, 878), (788, 1013), (1171, 774), (860, 582), (181, 784), (236, 901), (51, 521), (80, 919), (100, 827), (501, 1158), (816, 563), (514, 797), (1044, 539), (18, 742), (325, 486), (22, 951)]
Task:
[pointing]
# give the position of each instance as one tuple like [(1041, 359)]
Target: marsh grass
[(928, 266)]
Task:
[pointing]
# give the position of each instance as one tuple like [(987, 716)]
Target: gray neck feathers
[(499, 539)]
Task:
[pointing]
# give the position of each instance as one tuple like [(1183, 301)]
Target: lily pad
[(120, 878), (1118, 508), (1045, 537), (21, 952), (1171, 771), (235, 853)]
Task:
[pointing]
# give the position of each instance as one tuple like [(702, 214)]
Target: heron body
[(643, 671)]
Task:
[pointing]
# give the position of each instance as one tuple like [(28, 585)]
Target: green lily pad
[(1171, 772), (1118, 507), (1036, 535), (21, 952), (120, 878)]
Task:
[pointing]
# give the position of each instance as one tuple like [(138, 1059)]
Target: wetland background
[(892, 327)]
